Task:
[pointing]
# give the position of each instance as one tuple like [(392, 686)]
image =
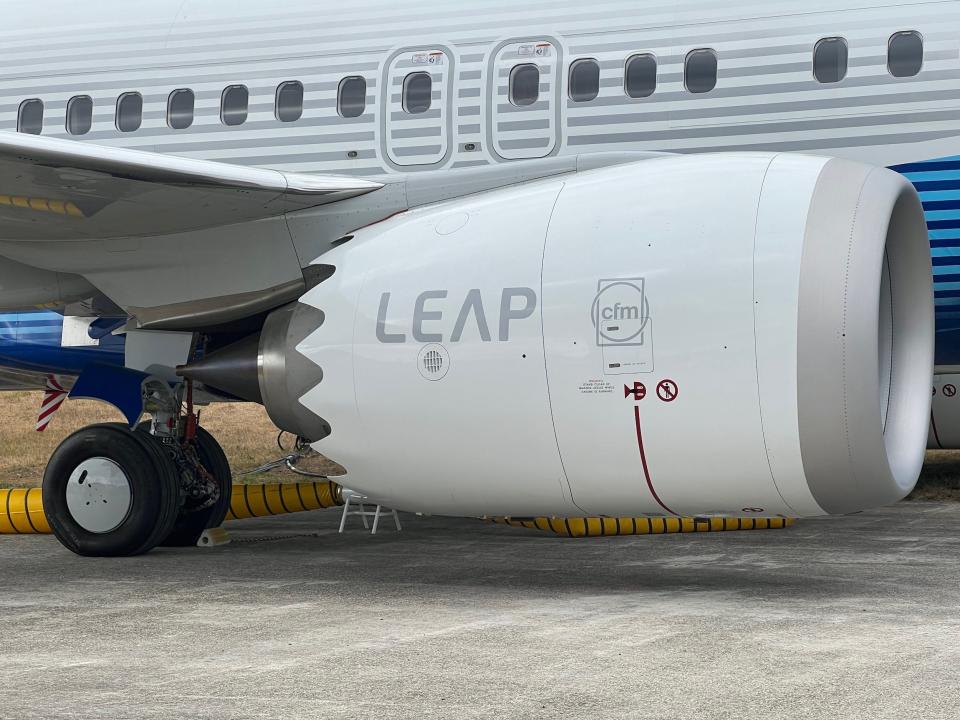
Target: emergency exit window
[(417, 93), (524, 85)]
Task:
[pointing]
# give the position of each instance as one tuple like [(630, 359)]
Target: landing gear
[(108, 491), (206, 494), (112, 491)]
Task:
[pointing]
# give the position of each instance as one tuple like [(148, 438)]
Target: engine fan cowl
[(720, 334)]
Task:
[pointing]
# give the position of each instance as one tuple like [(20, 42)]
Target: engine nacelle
[(724, 334)]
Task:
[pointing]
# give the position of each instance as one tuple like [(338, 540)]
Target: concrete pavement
[(852, 617)]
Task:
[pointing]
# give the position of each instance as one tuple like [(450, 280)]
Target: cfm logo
[(621, 312)]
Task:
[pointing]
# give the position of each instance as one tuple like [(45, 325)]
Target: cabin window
[(234, 104), (640, 76), (30, 117), (417, 93), (129, 112), (584, 80), (905, 54), (524, 85), (830, 58), (289, 107), (180, 109), (352, 97), (700, 71), (80, 115)]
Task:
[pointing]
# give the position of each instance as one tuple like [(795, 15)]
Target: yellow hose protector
[(611, 527), (251, 501), (21, 510)]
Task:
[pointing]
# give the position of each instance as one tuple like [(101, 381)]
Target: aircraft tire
[(189, 526), (110, 492)]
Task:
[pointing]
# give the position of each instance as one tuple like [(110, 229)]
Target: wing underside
[(53, 189)]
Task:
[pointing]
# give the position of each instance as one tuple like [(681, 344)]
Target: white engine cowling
[(945, 413), (724, 334)]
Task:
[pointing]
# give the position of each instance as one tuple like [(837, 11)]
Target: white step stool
[(361, 501)]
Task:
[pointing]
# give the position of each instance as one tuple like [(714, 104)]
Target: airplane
[(500, 259), (46, 350)]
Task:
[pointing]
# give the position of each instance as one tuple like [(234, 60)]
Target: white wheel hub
[(98, 495)]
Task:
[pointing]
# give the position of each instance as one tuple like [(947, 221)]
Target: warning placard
[(596, 387), (667, 390)]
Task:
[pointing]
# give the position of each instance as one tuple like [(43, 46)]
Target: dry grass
[(244, 430), (940, 479)]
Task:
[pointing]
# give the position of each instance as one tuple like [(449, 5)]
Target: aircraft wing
[(52, 189)]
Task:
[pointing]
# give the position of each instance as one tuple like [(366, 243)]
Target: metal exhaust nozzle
[(231, 369)]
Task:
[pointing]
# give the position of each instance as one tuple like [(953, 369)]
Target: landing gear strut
[(206, 490), (112, 491)]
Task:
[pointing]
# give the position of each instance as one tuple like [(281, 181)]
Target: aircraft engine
[(704, 335)]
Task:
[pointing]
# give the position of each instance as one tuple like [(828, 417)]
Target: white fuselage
[(766, 96)]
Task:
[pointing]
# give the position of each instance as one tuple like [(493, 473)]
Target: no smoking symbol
[(949, 390), (667, 390)]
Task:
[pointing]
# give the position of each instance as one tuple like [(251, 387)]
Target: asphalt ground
[(840, 618)]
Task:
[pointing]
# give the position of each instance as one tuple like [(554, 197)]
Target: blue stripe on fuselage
[(31, 328), (33, 341), (938, 182)]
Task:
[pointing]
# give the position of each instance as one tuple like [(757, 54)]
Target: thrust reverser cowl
[(694, 335)]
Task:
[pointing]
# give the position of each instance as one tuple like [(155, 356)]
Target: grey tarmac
[(841, 618)]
